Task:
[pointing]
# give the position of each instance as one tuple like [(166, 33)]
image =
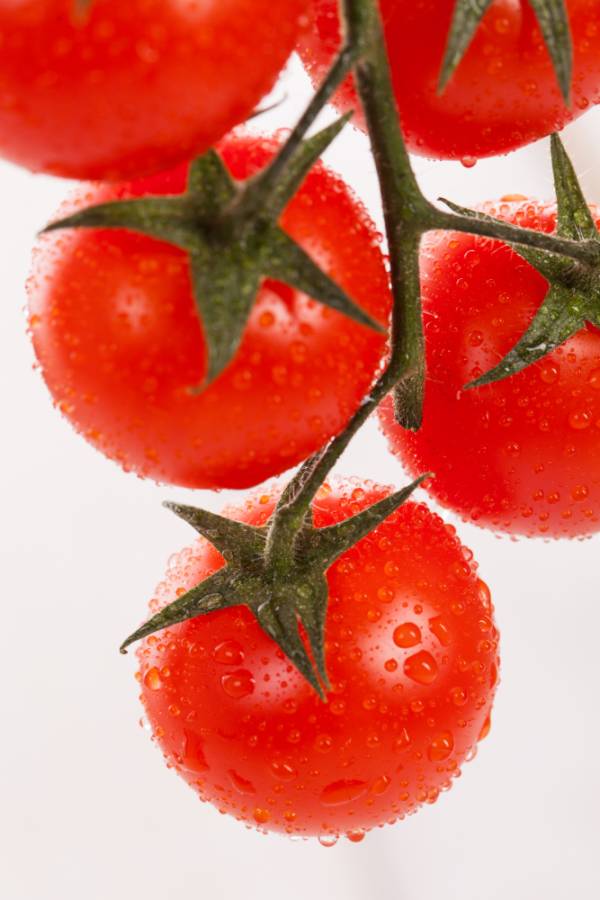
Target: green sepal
[(325, 545), (552, 19), (233, 540), (233, 241), (465, 21), (209, 596), (283, 599), (573, 296), (288, 262)]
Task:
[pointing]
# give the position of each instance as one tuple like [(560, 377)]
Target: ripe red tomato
[(411, 651), (520, 455), (129, 88), (504, 93), (120, 344)]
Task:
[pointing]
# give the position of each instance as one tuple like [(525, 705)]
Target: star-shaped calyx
[(573, 296), (552, 19), (231, 233), (284, 589)]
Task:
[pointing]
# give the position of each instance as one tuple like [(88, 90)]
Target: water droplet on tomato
[(580, 419), (421, 667), (261, 815), (238, 684), (229, 653), (152, 679), (340, 792), (283, 770), (328, 840), (439, 627), (380, 785), (468, 161), (441, 746), (355, 836), (407, 635), (241, 784)]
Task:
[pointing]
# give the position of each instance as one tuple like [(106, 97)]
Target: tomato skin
[(120, 344), (504, 93), (245, 730), (521, 455), (136, 87)]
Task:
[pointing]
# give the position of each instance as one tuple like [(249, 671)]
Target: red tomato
[(133, 87), (120, 343), (411, 652), (504, 93), (520, 455)]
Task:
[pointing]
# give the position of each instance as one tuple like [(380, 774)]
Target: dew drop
[(468, 161), (229, 653), (439, 627), (152, 679), (238, 684), (580, 419), (407, 635), (355, 836), (421, 667), (241, 784), (328, 840), (283, 770), (441, 746), (261, 815), (340, 792)]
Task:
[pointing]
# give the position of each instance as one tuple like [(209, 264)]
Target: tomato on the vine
[(411, 653), (504, 93), (520, 455), (121, 347), (111, 90)]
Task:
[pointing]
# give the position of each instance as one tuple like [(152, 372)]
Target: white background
[(89, 811)]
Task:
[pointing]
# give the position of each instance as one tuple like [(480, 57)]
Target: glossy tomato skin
[(120, 345), (504, 93), (411, 651), (131, 88), (521, 455)]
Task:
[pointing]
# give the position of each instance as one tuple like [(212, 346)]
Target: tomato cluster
[(133, 95)]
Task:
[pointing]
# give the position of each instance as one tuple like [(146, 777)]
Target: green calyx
[(284, 592), (231, 233), (552, 19), (573, 296)]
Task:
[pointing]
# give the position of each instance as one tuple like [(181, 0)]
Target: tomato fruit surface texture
[(128, 88), (411, 651), (121, 348), (520, 455), (503, 95)]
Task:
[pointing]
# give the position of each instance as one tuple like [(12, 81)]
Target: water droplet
[(441, 746), (345, 791), (580, 419), (485, 728), (261, 815), (238, 684), (355, 836), (241, 784), (407, 635), (468, 161), (283, 770), (229, 653), (152, 679), (381, 784), (439, 627), (459, 696), (579, 492), (549, 373), (421, 667), (328, 840)]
